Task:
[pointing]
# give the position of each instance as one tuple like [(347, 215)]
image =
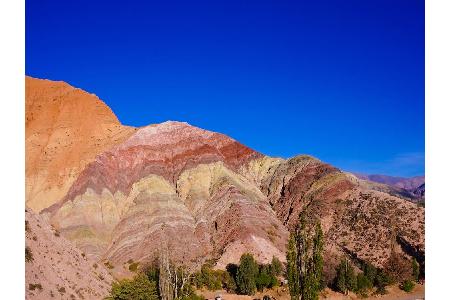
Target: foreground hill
[(56, 269), (199, 195)]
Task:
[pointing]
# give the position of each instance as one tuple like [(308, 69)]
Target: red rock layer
[(166, 149)]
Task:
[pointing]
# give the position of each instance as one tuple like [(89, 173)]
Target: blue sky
[(340, 80)]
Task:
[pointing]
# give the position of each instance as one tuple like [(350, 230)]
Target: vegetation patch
[(133, 267), (27, 227), (28, 254), (407, 286), (108, 265), (34, 286)]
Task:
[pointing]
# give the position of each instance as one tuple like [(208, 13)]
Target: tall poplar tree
[(305, 262)]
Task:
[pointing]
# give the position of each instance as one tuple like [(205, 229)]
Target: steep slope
[(368, 225), (57, 269), (65, 129), (420, 191)]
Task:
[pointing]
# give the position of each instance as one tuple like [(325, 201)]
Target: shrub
[(207, 277), (108, 265), (370, 272), (27, 227), (62, 290), (382, 280), (407, 286), (140, 287), (188, 294), (33, 286), (133, 266), (28, 254)]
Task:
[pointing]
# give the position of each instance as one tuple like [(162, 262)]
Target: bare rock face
[(65, 129), (56, 269), (200, 195)]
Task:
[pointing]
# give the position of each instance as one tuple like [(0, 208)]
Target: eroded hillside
[(199, 195)]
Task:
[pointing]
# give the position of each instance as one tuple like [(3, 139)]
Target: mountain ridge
[(201, 195)]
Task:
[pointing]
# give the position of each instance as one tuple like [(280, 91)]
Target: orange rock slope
[(65, 129)]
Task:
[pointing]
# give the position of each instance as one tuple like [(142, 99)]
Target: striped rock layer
[(200, 195)]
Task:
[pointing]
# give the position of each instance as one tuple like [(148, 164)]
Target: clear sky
[(340, 80)]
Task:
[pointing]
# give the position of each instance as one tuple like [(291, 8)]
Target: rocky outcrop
[(56, 269)]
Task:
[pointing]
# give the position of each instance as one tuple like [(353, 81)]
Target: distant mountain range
[(121, 194), (412, 187)]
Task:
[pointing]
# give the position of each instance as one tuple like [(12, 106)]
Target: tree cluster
[(244, 278), (305, 260)]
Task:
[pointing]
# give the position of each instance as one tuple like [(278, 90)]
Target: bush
[(370, 272), (140, 287), (382, 280), (207, 277), (133, 266), (246, 274), (33, 286), (28, 254), (27, 227), (188, 294), (407, 286)]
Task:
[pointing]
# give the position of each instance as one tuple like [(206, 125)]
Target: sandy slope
[(58, 270)]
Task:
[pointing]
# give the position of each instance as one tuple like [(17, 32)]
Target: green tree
[(370, 272), (415, 270), (266, 278), (292, 268), (277, 266), (139, 288), (317, 267), (305, 261), (345, 277), (246, 274), (363, 284)]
